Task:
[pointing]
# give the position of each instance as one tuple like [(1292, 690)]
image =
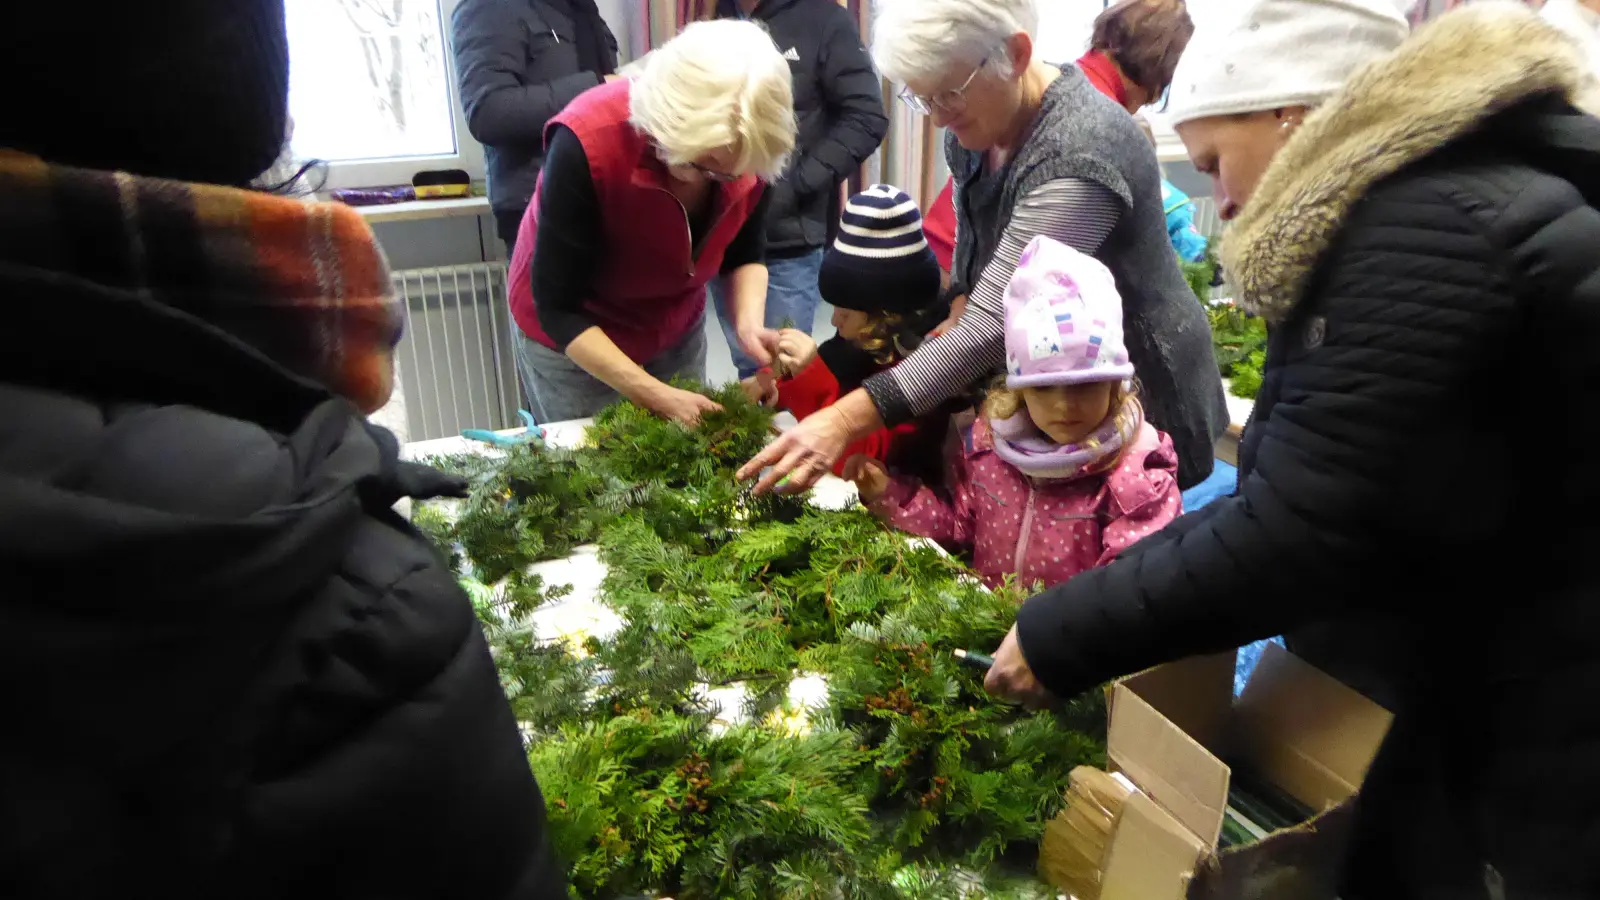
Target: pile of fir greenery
[(908, 778), (1238, 339)]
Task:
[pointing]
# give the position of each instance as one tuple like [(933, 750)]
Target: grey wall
[(425, 243)]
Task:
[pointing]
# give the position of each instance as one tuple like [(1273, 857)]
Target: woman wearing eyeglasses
[(1132, 54), (1034, 150), (650, 188)]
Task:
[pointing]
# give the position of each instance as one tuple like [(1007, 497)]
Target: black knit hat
[(880, 262), (195, 90)]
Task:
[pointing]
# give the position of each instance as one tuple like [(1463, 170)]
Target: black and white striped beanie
[(880, 262)]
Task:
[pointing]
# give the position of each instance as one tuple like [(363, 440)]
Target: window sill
[(413, 210)]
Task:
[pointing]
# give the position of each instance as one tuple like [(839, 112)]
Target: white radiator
[(454, 361)]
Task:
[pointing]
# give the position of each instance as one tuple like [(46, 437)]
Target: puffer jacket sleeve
[(1406, 308)]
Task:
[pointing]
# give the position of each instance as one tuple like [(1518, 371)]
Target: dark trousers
[(506, 224)]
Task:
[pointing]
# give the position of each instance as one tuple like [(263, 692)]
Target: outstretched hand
[(802, 455), (678, 405)]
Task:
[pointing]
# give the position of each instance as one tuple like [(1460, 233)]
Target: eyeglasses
[(1161, 103), (953, 102), (713, 174)]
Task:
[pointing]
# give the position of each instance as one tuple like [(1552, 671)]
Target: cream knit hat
[(1281, 53)]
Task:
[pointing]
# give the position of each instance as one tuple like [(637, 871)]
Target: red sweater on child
[(818, 386)]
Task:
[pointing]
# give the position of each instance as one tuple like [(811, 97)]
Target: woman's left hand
[(1010, 678), (760, 344)]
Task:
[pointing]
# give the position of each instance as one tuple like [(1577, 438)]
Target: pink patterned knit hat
[(1063, 320)]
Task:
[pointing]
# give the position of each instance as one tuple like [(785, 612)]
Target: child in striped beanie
[(883, 282), (1062, 472)]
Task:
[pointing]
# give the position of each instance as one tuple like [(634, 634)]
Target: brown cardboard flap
[(1167, 764), (1152, 855), (1300, 863), (1195, 694), (1305, 731)]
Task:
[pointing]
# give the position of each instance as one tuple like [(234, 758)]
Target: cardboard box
[(1171, 728)]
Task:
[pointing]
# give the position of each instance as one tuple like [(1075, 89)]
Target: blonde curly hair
[(1002, 402)]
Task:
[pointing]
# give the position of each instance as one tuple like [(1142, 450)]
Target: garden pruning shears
[(531, 432)]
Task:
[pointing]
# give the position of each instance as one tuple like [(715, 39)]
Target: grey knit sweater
[(1085, 176)]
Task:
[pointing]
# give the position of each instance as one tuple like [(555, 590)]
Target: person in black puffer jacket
[(230, 668), (520, 62), (1416, 493)]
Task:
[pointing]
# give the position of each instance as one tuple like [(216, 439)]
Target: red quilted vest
[(650, 288)]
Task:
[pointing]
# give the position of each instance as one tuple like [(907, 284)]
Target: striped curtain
[(912, 155)]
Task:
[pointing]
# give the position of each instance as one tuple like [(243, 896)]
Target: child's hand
[(762, 388), (871, 478), (796, 350)]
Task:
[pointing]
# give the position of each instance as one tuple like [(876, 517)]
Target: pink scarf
[(1019, 442)]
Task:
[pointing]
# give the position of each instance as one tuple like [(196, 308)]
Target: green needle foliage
[(905, 783), (1240, 344), (1238, 340)]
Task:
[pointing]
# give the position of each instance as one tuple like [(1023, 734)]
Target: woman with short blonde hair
[(652, 186)]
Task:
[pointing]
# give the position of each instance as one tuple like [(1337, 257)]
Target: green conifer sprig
[(909, 762)]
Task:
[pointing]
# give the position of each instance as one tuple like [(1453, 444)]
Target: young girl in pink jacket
[(1061, 472)]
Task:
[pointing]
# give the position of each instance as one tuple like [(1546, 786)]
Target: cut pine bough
[(884, 771)]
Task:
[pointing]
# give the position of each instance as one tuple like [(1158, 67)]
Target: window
[(372, 92)]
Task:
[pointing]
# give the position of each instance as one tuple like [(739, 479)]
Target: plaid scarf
[(304, 283)]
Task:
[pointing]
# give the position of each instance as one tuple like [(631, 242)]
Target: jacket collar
[(1104, 75), (1439, 86)]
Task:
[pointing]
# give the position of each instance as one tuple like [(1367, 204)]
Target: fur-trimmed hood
[(1444, 81)]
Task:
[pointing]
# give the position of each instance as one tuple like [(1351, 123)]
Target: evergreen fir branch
[(908, 762)]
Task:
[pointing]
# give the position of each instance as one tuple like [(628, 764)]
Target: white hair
[(920, 40), (720, 83)]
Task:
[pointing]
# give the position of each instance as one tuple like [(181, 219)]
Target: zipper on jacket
[(688, 230), (1027, 529)]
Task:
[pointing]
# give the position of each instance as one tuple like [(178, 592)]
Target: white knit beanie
[(1281, 53)]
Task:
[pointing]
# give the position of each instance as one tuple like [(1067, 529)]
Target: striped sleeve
[(1074, 211)]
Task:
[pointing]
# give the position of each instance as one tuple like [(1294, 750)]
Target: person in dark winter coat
[(838, 104), (1036, 151), (519, 63), (232, 669), (1416, 490)]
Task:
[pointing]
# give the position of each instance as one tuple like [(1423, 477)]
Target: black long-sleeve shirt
[(570, 244)]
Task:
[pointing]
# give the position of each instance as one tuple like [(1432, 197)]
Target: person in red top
[(883, 282), (650, 188), (1132, 54)]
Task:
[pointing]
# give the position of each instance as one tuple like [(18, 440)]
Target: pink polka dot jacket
[(1043, 530)]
